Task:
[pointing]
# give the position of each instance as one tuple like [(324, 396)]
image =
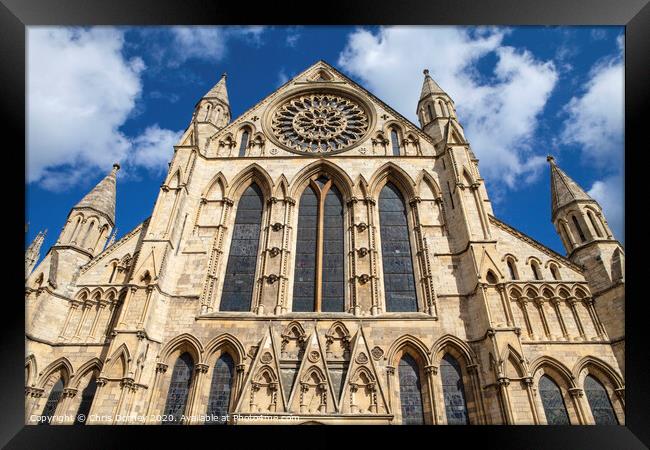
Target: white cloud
[(206, 43), (80, 91), (499, 115), (596, 119), (153, 149), (292, 36), (609, 193), (595, 123), (282, 77)]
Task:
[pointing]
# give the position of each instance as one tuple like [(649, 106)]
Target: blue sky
[(104, 94)]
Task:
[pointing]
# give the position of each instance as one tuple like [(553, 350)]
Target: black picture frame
[(15, 15)]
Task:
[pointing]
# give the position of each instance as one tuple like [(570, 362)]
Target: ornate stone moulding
[(319, 122)]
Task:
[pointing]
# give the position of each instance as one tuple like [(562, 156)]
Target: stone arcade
[(321, 259)]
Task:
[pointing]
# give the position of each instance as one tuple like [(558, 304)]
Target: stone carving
[(377, 353), (361, 358), (313, 356), (266, 357), (319, 123)]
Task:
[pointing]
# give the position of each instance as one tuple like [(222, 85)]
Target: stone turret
[(212, 112), (33, 252)]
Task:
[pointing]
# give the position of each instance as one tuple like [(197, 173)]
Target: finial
[(224, 75), (550, 159), (426, 72), (116, 167)]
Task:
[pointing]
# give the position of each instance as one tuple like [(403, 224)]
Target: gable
[(320, 112)]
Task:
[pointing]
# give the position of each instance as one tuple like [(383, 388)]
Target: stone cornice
[(534, 243)]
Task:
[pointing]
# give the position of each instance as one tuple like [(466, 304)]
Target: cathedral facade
[(321, 259)]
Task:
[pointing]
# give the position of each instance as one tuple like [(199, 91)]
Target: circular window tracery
[(319, 123)]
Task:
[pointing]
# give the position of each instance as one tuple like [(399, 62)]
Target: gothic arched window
[(394, 139), (399, 282), (242, 260), (320, 264), (220, 388), (601, 406), (555, 272), (553, 402), (537, 274), (52, 401), (511, 270), (410, 394), (593, 224), (244, 143), (430, 112), (179, 389), (578, 229), (453, 391), (87, 396)]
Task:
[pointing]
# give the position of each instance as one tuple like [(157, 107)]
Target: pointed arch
[(411, 344), (511, 357), (174, 180), (460, 348), (254, 173), (426, 181), (216, 188), (182, 343), (362, 371), (583, 366), (339, 176), (314, 370), (395, 174), (118, 365), (62, 365), (282, 187), (83, 294), (227, 342), (559, 368), (265, 375), (93, 365)]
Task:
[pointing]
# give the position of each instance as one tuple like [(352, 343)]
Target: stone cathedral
[(323, 260)]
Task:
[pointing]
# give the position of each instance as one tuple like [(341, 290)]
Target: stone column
[(503, 383), (578, 401), (74, 304), (555, 301), (127, 303), (100, 308), (101, 382), (33, 396), (194, 403), (600, 330), (160, 371), (86, 306), (483, 293), (472, 370), (390, 373), (66, 416), (505, 302), (528, 382), (539, 303), (523, 302), (431, 373), (572, 302)]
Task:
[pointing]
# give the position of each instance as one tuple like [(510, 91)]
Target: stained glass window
[(394, 141), (222, 377), (399, 283), (86, 401), (52, 401), (553, 402), (601, 406), (320, 216), (240, 270), (179, 389), (305, 273), (409, 391), (243, 144), (453, 391), (333, 264)]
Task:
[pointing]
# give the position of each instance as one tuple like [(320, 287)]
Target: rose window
[(319, 123)]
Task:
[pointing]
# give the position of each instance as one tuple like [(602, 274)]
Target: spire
[(219, 91), (102, 196), (563, 189), (33, 252), (430, 87)]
